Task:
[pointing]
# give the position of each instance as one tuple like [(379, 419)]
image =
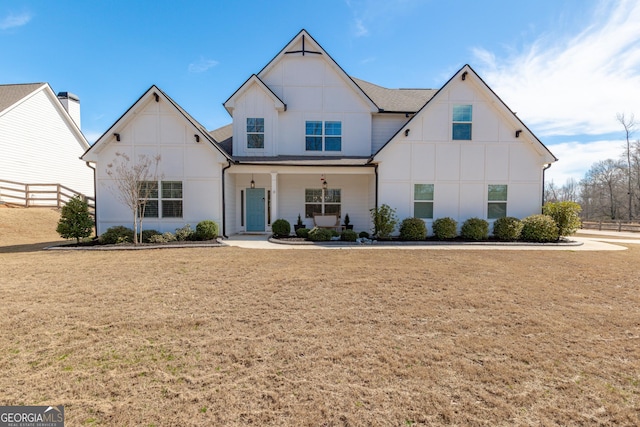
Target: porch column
[(274, 196)]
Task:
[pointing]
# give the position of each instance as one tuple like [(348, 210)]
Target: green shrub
[(75, 221), (146, 235), (302, 232), (185, 233), (413, 229), (348, 236), (169, 236), (384, 221), (475, 229), (116, 234), (157, 238), (507, 228), (281, 228), (319, 234), (539, 228), (334, 233), (206, 230), (565, 214), (363, 235), (445, 228)]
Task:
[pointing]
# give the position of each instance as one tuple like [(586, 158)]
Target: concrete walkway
[(586, 240)]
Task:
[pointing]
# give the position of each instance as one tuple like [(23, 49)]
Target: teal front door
[(255, 209)]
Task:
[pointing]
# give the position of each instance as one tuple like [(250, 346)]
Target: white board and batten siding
[(461, 171), (38, 144), (157, 129)]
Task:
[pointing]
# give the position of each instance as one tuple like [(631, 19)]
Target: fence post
[(59, 195), (27, 195)]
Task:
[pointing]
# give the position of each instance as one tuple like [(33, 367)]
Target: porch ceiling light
[(324, 184), (253, 183)]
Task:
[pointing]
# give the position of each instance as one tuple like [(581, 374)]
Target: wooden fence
[(611, 225), (39, 195)]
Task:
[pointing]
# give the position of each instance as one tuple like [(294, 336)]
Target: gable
[(155, 119), (304, 63), (493, 122)]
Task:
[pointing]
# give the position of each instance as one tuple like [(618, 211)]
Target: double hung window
[(323, 136), (322, 201), (255, 132), (423, 201), (497, 201), (161, 201), (461, 127)]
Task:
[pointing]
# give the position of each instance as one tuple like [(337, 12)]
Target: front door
[(255, 209)]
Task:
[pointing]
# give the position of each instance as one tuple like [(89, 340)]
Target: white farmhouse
[(40, 138), (306, 138)]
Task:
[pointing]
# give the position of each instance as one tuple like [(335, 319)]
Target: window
[(497, 206), (255, 132), (317, 200), (168, 200), (423, 201), (462, 115), (321, 136)]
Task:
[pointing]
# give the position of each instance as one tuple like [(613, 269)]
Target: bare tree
[(629, 124), (134, 184), (603, 183)]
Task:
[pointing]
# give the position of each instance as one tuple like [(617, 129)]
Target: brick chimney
[(71, 103)]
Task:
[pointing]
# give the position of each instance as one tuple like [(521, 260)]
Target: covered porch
[(256, 195)]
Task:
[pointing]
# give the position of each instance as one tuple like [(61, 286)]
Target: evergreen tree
[(75, 220)]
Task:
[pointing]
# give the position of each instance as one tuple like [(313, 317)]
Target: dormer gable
[(252, 81), (303, 45)]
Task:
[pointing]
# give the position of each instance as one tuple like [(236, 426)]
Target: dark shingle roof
[(10, 94), (396, 100), (224, 137)]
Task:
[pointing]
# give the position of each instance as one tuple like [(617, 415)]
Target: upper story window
[(462, 117), (323, 136), (497, 205), (255, 132)]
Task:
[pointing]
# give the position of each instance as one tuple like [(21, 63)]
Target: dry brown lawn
[(227, 336)]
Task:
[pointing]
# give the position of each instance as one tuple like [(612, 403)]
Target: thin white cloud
[(574, 85), (202, 65), (576, 158), (360, 29), (13, 20)]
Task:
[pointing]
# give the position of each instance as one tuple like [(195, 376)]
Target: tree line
[(610, 190)]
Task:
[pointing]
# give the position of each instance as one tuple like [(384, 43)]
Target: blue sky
[(566, 67)]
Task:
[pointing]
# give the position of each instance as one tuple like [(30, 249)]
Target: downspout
[(375, 169), (543, 170), (224, 216), (95, 198)]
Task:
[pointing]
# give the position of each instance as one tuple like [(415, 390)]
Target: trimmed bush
[(147, 234), (348, 236), (363, 235), (117, 234), (539, 228), (302, 232), (507, 228), (334, 233), (206, 230), (565, 214), (475, 229), (185, 233), (281, 228), (157, 238), (169, 236), (413, 229), (445, 228), (319, 234)]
